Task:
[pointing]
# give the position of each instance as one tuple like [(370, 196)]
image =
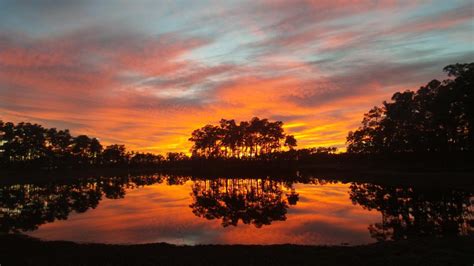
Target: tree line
[(230, 139), (35, 145), (438, 117), (32, 145)]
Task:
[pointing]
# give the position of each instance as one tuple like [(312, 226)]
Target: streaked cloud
[(146, 73)]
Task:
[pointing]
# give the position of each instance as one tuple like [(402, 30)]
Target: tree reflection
[(407, 212), (25, 207), (252, 201)]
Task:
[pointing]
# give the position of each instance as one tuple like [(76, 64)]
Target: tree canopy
[(246, 139), (438, 117), (32, 144)]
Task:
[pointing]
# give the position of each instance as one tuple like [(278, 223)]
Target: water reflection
[(405, 212), (24, 207), (252, 201)]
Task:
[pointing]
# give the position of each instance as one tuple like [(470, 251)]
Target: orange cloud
[(312, 64)]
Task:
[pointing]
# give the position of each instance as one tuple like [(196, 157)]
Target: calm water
[(185, 210)]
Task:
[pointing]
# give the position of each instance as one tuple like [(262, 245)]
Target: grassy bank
[(20, 250)]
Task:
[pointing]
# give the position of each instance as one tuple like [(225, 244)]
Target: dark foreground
[(20, 250)]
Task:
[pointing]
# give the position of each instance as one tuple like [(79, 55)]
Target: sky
[(147, 73)]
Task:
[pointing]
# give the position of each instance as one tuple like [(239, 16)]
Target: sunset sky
[(146, 73)]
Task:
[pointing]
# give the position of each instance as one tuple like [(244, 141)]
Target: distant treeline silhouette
[(32, 145), (253, 138), (439, 117), (29, 144)]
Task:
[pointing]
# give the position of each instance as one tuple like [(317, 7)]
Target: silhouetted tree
[(23, 142), (290, 142), (439, 117), (146, 159), (115, 154), (32, 145), (59, 146), (176, 156), (253, 138)]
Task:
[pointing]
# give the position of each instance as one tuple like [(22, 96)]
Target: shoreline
[(25, 250), (403, 177)]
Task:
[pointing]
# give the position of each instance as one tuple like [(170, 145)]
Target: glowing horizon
[(146, 74)]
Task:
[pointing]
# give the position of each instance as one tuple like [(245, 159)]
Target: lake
[(221, 210)]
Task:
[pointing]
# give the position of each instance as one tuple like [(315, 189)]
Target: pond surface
[(190, 210)]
